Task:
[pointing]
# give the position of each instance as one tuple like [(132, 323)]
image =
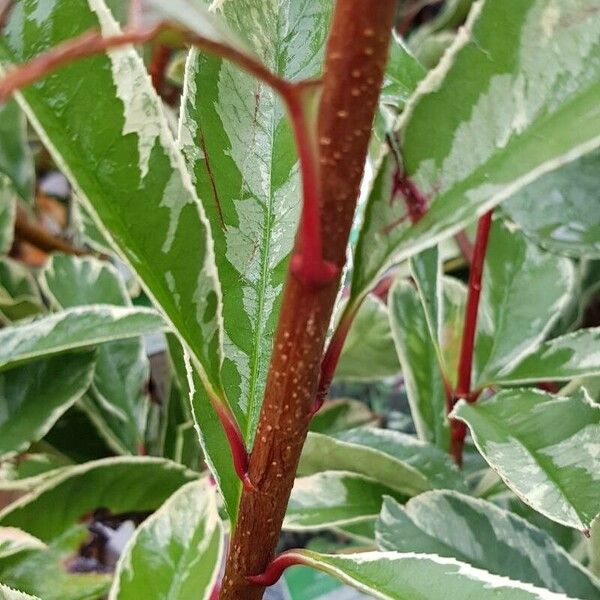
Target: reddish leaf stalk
[(334, 351), (465, 365), (276, 568), (239, 454), (308, 265), (93, 42)]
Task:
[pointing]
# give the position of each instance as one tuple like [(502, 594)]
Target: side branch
[(465, 365)]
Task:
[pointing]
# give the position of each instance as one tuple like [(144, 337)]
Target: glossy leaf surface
[(481, 534), (514, 75), (240, 151), (333, 498), (561, 210), (73, 329), (397, 460), (545, 448), (176, 552), (122, 368), (368, 353), (34, 396), (104, 126), (406, 576)]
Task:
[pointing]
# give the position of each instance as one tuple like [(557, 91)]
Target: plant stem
[(28, 231), (355, 62), (465, 365)]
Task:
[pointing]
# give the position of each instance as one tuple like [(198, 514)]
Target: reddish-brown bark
[(355, 62)]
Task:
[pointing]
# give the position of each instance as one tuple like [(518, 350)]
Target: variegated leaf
[(104, 126), (545, 448), (73, 329), (481, 534), (16, 160), (119, 485), (19, 293), (34, 396), (470, 136), (561, 210), (122, 368), (394, 459), (566, 357), (240, 151), (8, 208), (427, 328), (14, 541), (524, 292), (340, 414), (215, 446), (406, 576), (331, 499), (368, 353), (7, 593), (175, 553)]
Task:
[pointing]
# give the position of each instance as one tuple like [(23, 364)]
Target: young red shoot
[(465, 365), (276, 568)]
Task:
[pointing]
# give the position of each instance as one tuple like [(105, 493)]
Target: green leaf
[(563, 358), (561, 210), (341, 414), (122, 368), (398, 576), (368, 353), (427, 327), (362, 532), (124, 166), (451, 14), (403, 74), (470, 135), (215, 446), (16, 160), (524, 291), (481, 534), (14, 541), (240, 151), (121, 485), (73, 329), (28, 471), (7, 593), (176, 552), (423, 377), (34, 396), (394, 459), (8, 211), (19, 294), (197, 17), (333, 498), (47, 573), (544, 448)]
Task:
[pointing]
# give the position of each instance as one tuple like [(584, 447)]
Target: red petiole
[(465, 366)]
